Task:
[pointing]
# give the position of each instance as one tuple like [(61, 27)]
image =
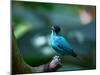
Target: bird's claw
[(56, 57)]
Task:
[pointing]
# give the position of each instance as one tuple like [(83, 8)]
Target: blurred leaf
[(21, 29)]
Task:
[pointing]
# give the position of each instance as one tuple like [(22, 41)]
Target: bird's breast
[(52, 41)]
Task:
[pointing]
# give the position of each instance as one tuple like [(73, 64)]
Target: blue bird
[(59, 43)]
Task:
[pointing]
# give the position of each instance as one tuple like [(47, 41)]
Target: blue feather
[(61, 45)]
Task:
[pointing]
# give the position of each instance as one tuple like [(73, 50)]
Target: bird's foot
[(56, 57)]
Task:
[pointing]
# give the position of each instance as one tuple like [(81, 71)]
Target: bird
[(59, 43)]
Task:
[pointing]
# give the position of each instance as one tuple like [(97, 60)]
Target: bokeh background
[(32, 21)]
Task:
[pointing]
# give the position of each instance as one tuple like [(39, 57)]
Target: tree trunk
[(19, 66)]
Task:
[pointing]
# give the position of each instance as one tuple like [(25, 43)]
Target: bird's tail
[(80, 60), (77, 57)]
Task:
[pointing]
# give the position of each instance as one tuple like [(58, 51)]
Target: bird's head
[(56, 28)]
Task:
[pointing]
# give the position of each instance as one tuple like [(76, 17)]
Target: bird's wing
[(64, 45)]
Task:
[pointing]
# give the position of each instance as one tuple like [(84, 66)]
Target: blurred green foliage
[(32, 21)]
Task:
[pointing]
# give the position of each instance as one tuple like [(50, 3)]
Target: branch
[(20, 67)]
